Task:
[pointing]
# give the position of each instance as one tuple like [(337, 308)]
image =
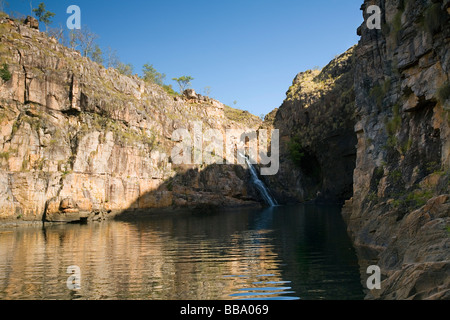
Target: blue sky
[(247, 51)]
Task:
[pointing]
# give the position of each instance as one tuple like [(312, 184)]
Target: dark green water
[(275, 253)]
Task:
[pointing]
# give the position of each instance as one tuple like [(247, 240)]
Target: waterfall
[(259, 184)]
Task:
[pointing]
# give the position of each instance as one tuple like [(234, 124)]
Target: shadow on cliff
[(200, 190), (317, 136)]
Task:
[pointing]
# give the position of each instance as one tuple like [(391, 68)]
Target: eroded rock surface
[(78, 140), (400, 212), (317, 138)]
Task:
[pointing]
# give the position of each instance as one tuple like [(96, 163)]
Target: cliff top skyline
[(247, 53)]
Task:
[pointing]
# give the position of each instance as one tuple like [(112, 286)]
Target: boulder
[(31, 22), (63, 210), (66, 204), (190, 94)]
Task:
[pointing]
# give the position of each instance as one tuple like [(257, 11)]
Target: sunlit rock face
[(78, 140)]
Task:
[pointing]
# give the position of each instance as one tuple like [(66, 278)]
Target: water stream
[(262, 188)]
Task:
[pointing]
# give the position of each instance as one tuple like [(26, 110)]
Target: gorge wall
[(400, 211), (80, 140), (317, 138), (372, 128)]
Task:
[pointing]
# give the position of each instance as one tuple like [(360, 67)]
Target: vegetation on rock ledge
[(4, 73)]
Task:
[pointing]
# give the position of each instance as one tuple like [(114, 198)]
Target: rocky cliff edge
[(79, 140)]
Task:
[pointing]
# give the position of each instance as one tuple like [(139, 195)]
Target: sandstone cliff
[(400, 212), (317, 139), (79, 140), (373, 127)]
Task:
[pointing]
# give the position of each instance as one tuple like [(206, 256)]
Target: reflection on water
[(275, 253)]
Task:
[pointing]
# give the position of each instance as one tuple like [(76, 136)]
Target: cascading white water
[(259, 184)]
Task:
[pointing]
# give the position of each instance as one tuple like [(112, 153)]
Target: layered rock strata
[(78, 140), (399, 215)]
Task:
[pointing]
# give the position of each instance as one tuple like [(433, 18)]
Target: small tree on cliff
[(58, 34), (43, 15), (125, 69), (111, 58), (97, 54), (207, 91), (83, 38), (2, 5), (152, 76), (183, 82)]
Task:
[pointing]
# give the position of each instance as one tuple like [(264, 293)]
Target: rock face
[(390, 97), (31, 22), (80, 141), (190, 94), (400, 212), (317, 139)]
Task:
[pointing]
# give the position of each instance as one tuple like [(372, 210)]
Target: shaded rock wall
[(317, 139), (399, 214), (389, 97)]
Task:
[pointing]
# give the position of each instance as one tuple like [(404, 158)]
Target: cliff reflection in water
[(223, 255)]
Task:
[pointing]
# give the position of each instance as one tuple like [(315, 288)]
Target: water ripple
[(216, 256)]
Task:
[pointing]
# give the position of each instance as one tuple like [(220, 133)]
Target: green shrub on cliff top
[(150, 74), (43, 15), (239, 115), (169, 90), (125, 69)]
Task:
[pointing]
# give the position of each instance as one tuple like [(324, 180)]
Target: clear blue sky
[(247, 51)]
